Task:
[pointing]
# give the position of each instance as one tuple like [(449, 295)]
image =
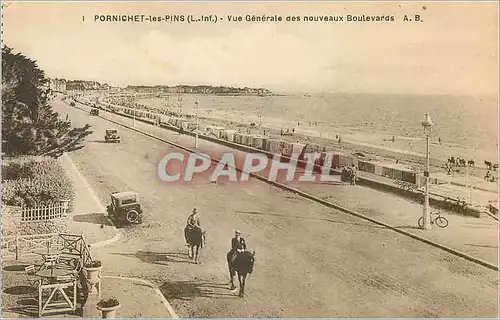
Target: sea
[(465, 121)]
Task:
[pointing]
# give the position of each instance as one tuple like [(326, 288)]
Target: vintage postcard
[(249, 159)]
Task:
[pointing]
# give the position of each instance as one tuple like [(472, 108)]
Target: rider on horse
[(193, 221), (238, 245)]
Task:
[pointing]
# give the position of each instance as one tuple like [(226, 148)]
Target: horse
[(195, 239), (243, 265), (488, 164)]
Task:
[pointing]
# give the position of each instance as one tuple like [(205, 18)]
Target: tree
[(29, 125)]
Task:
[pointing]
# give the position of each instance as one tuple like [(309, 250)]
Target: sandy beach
[(376, 146), (361, 136)]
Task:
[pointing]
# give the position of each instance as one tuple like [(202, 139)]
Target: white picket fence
[(44, 213)]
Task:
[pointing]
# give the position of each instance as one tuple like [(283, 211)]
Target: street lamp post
[(197, 124), (467, 183), (134, 113), (427, 124)]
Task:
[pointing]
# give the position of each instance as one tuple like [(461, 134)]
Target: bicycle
[(441, 222)]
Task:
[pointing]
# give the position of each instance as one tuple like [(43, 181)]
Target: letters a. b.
[(415, 18)]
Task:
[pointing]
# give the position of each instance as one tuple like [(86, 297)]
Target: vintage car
[(112, 136), (125, 207), (94, 112)]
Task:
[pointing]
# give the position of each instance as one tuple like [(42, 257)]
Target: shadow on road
[(18, 267), (96, 218), (19, 290), (307, 218), (187, 290), (157, 257), (408, 227)]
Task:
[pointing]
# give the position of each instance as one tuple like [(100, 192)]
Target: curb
[(107, 242), (328, 204), (491, 215), (164, 301), (98, 202)]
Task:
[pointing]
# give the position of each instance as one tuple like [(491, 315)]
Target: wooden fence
[(17, 246), (44, 213)]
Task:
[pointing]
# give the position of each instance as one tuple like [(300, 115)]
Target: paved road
[(311, 261)]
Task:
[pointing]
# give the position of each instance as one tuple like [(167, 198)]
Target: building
[(57, 85)]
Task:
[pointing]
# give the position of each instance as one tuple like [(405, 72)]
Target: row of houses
[(62, 85), (198, 89)]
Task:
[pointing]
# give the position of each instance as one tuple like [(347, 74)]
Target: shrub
[(36, 182), (94, 264), (113, 302)]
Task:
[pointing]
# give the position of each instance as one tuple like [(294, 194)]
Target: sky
[(453, 51)]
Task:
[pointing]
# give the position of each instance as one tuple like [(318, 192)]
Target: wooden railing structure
[(17, 246), (59, 295), (66, 288), (13, 247)]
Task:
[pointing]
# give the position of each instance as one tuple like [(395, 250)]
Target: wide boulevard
[(311, 261)]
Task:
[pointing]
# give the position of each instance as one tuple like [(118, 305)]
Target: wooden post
[(40, 298), (17, 244)]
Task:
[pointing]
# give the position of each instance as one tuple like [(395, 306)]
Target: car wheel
[(132, 216)]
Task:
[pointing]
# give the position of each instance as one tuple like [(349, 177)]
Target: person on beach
[(354, 174)]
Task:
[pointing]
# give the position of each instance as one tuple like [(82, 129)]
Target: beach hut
[(379, 169), (409, 176), (230, 135), (164, 119), (257, 142), (297, 149), (265, 143), (245, 139), (345, 160), (274, 146), (366, 166), (287, 148), (336, 160), (237, 138), (250, 140)]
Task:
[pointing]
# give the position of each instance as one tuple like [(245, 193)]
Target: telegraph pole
[(427, 124), (197, 124)]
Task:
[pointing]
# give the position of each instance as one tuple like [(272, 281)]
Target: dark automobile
[(125, 207), (112, 136)]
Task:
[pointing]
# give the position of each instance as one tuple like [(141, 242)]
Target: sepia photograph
[(252, 159)]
